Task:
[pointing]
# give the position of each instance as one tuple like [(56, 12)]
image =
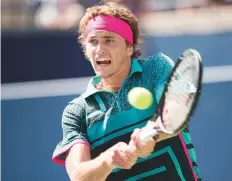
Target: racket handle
[(148, 133)]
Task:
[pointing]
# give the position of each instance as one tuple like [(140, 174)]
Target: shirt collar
[(91, 89)]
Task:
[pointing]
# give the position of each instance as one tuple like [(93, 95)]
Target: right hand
[(143, 149), (120, 156)]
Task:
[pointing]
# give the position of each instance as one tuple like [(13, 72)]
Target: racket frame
[(159, 108)]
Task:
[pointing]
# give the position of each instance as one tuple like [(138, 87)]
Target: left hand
[(142, 149)]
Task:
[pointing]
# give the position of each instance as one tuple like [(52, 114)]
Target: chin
[(103, 74)]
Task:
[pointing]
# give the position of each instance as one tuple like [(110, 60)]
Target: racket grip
[(146, 134)]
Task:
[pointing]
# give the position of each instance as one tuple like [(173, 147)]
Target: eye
[(93, 41), (109, 41)]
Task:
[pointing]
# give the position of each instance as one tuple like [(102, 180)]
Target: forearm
[(96, 169)]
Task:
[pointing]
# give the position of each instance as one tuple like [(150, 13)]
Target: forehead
[(102, 34)]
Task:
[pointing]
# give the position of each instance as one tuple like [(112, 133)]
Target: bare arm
[(80, 167)]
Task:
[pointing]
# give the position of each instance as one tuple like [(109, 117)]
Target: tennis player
[(100, 128)]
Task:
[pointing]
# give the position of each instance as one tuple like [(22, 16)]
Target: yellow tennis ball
[(140, 98)]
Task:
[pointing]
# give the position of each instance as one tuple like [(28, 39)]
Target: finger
[(119, 157), (121, 145), (135, 137), (153, 124), (128, 153), (149, 143), (132, 145), (147, 149), (134, 134), (131, 151), (117, 163), (123, 160)]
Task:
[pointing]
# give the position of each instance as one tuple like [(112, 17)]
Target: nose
[(101, 49)]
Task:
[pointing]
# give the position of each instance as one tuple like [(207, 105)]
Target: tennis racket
[(179, 98)]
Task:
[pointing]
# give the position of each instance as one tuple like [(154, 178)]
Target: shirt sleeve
[(74, 130)]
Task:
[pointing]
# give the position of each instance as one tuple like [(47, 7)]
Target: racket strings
[(180, 97)]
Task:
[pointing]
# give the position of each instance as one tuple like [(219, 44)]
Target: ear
[(130, 50)]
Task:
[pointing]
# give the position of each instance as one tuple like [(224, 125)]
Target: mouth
[(103, 62)]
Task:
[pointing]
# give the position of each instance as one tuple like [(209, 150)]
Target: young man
[(100, 128)]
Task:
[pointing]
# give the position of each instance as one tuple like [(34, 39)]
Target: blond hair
[(112, 9)]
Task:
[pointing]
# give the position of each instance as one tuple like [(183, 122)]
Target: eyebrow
[(105, 36), (108, 36)]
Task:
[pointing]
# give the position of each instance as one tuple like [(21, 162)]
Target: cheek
[(118, 51), (89, 51)]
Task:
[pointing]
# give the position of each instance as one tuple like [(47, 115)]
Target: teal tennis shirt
[(101, 119)]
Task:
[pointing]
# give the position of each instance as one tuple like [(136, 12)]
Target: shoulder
[(157, 63), (78, 101), (158, 59), (76, 105)]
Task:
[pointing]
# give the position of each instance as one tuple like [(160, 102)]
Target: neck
[(116, 79), (114, 82)]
